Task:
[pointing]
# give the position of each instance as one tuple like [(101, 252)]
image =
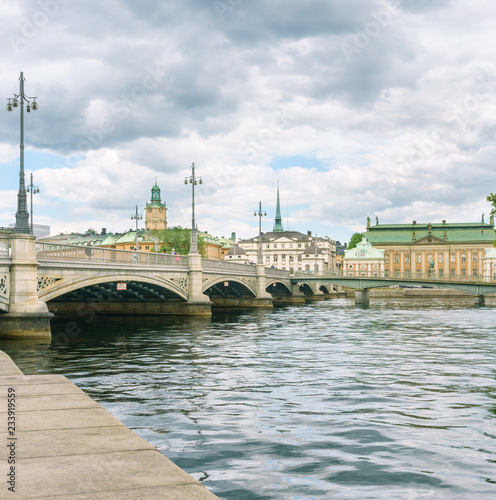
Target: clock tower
[(156, 211)]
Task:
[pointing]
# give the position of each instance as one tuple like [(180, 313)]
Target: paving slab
[(21, 379), (62, 442)]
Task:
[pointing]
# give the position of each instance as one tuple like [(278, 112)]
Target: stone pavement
[(63, 445)]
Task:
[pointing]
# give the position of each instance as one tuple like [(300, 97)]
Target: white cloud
[(402, 128)]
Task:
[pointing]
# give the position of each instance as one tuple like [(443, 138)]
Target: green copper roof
[(477, 232), (278, 218), (364, 250), (156, 201)]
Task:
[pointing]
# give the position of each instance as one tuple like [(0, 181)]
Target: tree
[(178, 239), (355, 239), (492, 199)]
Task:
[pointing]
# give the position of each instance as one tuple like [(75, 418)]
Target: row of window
[(419, 273), (418, 258)]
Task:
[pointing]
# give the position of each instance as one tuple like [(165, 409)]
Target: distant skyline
[(360, 108)]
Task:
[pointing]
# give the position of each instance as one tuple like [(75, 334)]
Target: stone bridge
[(40, 279)]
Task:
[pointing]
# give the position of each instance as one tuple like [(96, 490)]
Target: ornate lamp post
[(33, 190), (193, 180), (137, 217), (260, 214), (22, 216)]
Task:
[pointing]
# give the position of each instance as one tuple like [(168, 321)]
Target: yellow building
[(416, 249)]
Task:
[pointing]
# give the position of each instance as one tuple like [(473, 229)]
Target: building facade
[(364, 260), (419, 249), (289, 250)]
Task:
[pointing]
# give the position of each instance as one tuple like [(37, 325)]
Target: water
[(395, 401)]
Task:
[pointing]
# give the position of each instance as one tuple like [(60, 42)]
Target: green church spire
[(278, 218)]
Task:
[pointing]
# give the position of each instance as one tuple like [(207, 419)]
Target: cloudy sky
[(357, 107)]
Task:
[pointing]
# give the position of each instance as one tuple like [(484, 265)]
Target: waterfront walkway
[(66, 446)]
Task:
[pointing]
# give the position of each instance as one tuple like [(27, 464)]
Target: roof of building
[(312, 249), (236, 250), (275, 235), (364, 250), (447, 232)]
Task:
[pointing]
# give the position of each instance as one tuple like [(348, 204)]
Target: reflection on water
[(322, 401)]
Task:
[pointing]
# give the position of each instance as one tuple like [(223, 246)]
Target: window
[(275, 245), (407, 273), (386, 258), (441, 273), (283, 245), (440, 258), (396, 274), (283, 256), (419, 258), (291, 245), (291, 270), (474, 256), (464, 257), (407, 258), (474, 272), (299, 245), (307, 267), (396, 258), (275, 258), (452, 257), (419, 273), (290, 258), (267, 246), (452, 272), (464, 272)]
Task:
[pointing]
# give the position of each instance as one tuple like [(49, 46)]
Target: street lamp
[(22, 216), (260, 214), (137, 217), (193, 180), (33, 190)]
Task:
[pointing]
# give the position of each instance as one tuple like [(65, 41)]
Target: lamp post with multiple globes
[(193, 180), (22, 215)]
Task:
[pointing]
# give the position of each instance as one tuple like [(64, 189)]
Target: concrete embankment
[(57, 443)]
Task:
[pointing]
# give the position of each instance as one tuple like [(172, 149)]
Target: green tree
[(355, 239), (492, 199), (178, 239)]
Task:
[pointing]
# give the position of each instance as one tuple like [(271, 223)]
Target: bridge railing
[(75, 253), (403, 276), (4, 246), (222, 265)]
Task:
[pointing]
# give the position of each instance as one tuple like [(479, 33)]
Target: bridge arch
[(245, 284), (278, 287), (178, 286)]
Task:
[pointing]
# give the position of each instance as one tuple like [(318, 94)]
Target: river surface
[(328, 400)]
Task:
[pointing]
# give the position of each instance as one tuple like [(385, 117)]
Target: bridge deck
[(68, 446)]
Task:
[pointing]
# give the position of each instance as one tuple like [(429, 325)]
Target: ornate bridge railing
[(4, 247), (233, 267), (74, 253)]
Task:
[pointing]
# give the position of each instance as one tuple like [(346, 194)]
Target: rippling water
[(395, 401)]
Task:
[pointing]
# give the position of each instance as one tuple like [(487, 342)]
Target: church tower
[(278, 218), (156, 211)]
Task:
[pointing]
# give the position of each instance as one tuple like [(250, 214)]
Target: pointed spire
[(278, 218)]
